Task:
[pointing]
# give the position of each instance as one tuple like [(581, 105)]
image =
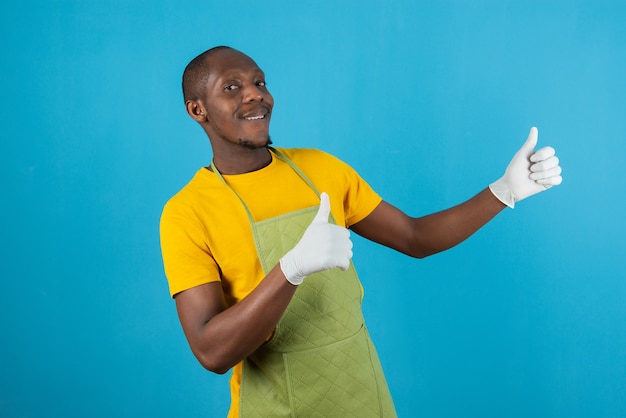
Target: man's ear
[(196, 110)]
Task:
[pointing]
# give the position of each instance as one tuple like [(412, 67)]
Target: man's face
[(237, 102)]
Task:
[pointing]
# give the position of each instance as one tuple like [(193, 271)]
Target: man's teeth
[(255, 117)]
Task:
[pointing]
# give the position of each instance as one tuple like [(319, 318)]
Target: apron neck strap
[(295, 168), (282, 157)]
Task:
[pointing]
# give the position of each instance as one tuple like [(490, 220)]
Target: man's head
[(225, 92), (196, 74)]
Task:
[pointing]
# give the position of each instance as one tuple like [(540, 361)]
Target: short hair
[(196, 74)]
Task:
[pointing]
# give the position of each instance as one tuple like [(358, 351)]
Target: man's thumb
[(324, 210), (531, 142)]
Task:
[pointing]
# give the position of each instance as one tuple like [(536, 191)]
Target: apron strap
[(295, 168), (281, 156), (221, 179)]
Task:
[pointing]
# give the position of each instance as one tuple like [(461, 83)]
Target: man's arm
[(528, 173), (222, 336), (428, 235)]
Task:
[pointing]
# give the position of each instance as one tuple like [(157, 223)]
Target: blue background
[(428, 100)]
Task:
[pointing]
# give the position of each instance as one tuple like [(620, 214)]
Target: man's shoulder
[(196, 188), (308, 155)]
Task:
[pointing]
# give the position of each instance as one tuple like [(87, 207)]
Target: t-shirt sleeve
[(187, 259), (360, 199)]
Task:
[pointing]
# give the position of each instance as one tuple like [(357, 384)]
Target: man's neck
[(244, 160)]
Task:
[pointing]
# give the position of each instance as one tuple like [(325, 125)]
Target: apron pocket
[(337, 380)]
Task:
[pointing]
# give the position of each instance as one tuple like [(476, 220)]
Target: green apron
[(320, 361)]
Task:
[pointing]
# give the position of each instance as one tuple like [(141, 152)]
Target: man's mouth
[(260, 113), (259, 117)]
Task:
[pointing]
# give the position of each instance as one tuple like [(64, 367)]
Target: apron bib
[(320, 362)]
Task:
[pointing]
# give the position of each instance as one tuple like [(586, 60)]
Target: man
[(257, 251)]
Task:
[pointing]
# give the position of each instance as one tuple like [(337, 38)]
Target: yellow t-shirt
[(206, 235)]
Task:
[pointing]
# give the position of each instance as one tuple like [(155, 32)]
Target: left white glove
[(323, 246), (528, 173)]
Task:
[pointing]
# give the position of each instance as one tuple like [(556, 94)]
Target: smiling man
[(257, 251)]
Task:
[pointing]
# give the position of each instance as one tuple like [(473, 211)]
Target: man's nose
[(253, 93)]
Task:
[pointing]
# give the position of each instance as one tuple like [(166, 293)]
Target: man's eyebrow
[(237, 73)]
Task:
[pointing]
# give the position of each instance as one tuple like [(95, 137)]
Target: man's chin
[(246, 143)]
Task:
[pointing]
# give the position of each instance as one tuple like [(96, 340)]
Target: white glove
[(528, 173), (322, 247)]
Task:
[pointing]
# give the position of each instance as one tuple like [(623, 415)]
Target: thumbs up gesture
[(322, 247), (528, 173)]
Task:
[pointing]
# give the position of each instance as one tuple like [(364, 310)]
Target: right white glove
[(528, 173), (322, 247)]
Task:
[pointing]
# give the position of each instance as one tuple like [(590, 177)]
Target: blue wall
[(428, 100)]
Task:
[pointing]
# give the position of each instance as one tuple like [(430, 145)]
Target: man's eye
[(261, 83), (231, 87)]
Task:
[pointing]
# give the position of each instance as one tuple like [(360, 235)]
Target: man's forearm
[(442, 230)]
